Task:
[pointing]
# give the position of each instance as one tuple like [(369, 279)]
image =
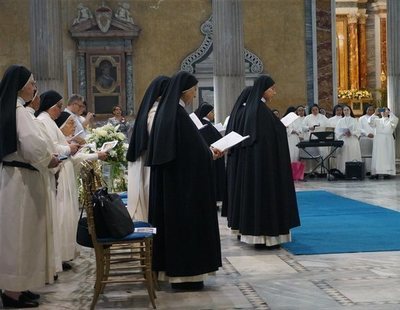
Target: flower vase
[(114, 176)]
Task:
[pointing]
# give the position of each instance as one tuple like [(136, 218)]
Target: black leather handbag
[(83, 237), (111, 217)]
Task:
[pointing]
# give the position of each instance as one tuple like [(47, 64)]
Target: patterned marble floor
[(263, 279)]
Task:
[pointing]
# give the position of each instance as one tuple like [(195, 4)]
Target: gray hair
[(74, 98)]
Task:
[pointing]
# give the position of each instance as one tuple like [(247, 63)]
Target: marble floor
[(263, 279)]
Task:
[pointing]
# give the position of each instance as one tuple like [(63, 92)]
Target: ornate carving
[(203, 51), (256, 65), (123, 13), (188, 64), (103, 18), (83, 14)]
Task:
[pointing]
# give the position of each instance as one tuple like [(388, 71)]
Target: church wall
[(14, 33), (274, 31)]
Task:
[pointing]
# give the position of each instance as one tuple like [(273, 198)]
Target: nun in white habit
[(67, 189), (383, 150), (49, 182), (50, 108), (347, 129), (367, 137), (23, 156)]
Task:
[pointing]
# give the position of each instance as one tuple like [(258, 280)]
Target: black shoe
[(188, 286), (372, 177), (263, 246), (30, 295), (386, 177), (66, 266), (55, 277), (22, 302)]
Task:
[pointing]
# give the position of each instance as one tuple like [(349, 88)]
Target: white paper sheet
[(220, 127), (231, 139), (197, 121), (288, 119), (108, 146)]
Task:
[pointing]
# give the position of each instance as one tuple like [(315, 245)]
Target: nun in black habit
[(230, 205), (210, 135), (138, 174), (182, 199), (268, 208)]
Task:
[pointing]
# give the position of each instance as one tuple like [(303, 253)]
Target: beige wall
[(273, 29), (14, 33)]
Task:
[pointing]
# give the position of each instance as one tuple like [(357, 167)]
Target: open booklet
[(231, 139), (221, 129), (197, 121), (107, 146), (288, 119)]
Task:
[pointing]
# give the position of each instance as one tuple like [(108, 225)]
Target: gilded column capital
[(352, 18), (362, 18)]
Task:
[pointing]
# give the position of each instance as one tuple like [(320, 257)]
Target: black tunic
[(268, 205), (182, 199), (182, 207), (268, 198)]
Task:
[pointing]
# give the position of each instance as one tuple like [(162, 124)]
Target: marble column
[(353, 51), (362, 35), (129, 84), (82, 74), (228, 50), (383, 38), (393, 62), (46, 44)]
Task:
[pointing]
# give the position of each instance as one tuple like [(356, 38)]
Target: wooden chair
[(126, 260)]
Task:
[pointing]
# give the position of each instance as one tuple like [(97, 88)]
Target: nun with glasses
[(23, 157), (67, 211), (230, 206), (51, 104), (182, 199), (210, 134), (268, 208), (138, 173)]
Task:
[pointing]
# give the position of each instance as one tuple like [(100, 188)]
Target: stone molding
[(206, 47)]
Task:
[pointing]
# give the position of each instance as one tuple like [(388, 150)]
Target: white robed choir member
[(366, 137), (67, 189), (50, 108), (138, 173), (347, 130), (49, 182), (295, 135), (314, 122), (23, 156), (383, 151), (337, 115)]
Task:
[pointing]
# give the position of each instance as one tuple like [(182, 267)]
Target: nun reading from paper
[(138, 174), (182, 200), (206, 115), (268, 199)]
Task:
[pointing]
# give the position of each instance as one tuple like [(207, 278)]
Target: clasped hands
[(216, 153)]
